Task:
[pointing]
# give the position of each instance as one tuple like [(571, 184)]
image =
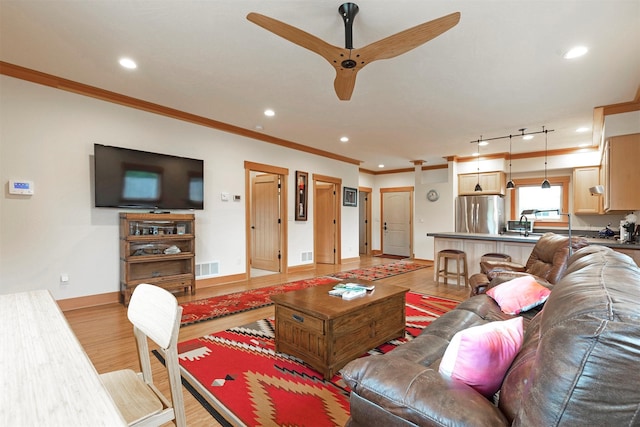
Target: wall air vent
[(208, 269)]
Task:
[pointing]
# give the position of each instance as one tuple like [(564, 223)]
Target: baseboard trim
[(223, 280), (88, 301), (114, 297), (301, 267)]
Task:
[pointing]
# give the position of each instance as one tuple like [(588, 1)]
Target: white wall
[(47, 136)]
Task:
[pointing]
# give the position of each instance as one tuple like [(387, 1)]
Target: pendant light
[(478, 187), (545, 184), (510, 184)]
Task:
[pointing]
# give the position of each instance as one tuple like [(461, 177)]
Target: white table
[(46, 378)]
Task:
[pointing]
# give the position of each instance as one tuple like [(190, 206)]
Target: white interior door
[(396, 223)]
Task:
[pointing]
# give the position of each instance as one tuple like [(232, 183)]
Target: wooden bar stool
[(461, 266)]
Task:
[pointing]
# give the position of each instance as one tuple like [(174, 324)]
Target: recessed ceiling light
[(380, 165), (527, 137), (475, 154), (269, 113), (584, 144), (583, 129), (259, 127), (344, 139), (128, 63), (575, 52)]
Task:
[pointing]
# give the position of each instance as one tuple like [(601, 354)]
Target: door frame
[(410, 190), (338, 202), (284, 177), (367, 211)]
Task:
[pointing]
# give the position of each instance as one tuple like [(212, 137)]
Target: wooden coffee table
[(327, 332)]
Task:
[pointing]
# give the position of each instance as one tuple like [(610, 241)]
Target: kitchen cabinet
[(621, 173), (491, 183), (584, 203)]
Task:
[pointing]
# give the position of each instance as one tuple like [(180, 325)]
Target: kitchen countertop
[(532, 238)]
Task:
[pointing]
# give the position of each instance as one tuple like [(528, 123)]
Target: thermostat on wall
[(20, 187)]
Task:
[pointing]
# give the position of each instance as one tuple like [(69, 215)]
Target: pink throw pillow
[(480, 356), (519, 295)]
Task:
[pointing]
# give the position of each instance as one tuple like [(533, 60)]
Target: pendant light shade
[(545, 184), (478, 187), (510, 184)]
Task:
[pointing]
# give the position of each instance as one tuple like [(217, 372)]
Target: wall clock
[(432, 195)]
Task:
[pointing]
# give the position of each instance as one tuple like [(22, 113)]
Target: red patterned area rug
[(378, 272), (224, 305), (237, 373)]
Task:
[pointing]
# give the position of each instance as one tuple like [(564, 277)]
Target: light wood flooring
[(107, 337)]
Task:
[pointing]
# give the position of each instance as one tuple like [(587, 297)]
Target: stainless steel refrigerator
[(480, 214)]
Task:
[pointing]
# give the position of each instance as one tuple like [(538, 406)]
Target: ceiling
[(499, 70)]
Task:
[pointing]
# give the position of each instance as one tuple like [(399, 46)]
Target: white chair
[(155, 314)]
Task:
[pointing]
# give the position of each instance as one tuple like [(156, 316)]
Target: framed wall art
[(302, 184), (349, 196)]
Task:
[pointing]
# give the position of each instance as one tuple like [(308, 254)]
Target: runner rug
[(238, 374), (224, 305)]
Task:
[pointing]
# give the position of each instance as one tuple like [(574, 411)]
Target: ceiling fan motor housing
[(348, 11)]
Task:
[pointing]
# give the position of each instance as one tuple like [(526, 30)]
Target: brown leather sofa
[(547, 262), (578, 365)]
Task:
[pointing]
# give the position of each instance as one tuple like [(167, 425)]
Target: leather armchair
[(547, 262)]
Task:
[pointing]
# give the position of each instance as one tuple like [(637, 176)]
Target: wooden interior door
[(265, 222), (396, 223), (325, 222), (364, 222)]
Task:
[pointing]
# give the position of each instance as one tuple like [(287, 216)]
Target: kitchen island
[(519, 247)]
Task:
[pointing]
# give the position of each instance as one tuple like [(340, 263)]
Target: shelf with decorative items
[(158, 249)]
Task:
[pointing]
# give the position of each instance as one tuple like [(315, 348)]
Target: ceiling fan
[(348, 61)]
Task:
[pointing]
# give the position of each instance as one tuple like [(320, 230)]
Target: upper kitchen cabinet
[(584, 203), (621, 173), (491, 183)]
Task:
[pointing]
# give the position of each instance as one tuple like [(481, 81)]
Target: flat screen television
[(126, 178)]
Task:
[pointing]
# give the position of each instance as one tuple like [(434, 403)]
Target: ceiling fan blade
[(295, 35), (408, 39), (344, 83)]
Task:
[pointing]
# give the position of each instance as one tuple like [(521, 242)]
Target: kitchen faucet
[(526, 230)]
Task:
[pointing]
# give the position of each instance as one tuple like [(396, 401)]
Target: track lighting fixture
[(545, 184), (478, 187), (510, 184)]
